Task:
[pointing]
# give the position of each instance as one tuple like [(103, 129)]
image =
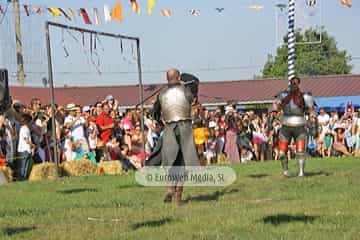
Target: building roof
[(246, 91)]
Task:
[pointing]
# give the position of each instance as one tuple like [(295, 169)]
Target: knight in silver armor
[(294, 105), (173, 107)]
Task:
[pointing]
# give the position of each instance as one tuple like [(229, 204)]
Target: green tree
[(311, 59)]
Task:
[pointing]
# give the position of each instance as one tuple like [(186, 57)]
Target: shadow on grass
[(22, 212), (130, 186), (258, 175), (77, 190), (151, 223), (214, 196), (320, 173), (285, 218), (16, 230)]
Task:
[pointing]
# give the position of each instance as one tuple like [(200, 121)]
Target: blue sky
[(232, 45)]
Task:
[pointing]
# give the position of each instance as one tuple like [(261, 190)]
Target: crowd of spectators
[(102, 132)]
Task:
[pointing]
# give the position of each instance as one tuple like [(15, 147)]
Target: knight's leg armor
[(301, 153), (283, 147)]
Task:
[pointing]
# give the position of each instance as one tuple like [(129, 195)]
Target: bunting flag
[(26, 8), (72, 13), (135, 6), (65, 14), (311, 3), (346, 3), (96, 16), (256, 7), (55, 12), (219, 10), (117, 12), (151, 4), (107, 13), (281, 6), (85, 16), (37, 9), (165, 12), (194, 12)]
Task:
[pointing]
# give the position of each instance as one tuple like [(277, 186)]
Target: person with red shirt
[(105, 124)]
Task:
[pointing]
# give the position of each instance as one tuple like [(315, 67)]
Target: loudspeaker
[(4, 91)]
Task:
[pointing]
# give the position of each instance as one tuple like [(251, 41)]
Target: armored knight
[(173, 106), (294, 105)]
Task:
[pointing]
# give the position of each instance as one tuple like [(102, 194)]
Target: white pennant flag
[(107, 14), (96, 16)]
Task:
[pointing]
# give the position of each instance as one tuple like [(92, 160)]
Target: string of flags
[(116, 12)]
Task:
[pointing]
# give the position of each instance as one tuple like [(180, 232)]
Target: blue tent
[(337, 103)]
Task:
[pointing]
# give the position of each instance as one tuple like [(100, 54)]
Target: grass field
[(259, 205)]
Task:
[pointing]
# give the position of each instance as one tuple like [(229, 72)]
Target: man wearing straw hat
[(173, 106), (75, 124)]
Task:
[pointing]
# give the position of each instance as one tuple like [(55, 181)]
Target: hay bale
[(8, 173), (110, 167), (357, 153), (82, 167), (44, 171)]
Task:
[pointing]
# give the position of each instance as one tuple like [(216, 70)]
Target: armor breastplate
[(174, 104), (293, 115)]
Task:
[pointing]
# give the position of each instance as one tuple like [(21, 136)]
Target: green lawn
[(259, 205)]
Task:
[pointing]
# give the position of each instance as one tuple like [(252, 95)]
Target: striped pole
[(291, 40)]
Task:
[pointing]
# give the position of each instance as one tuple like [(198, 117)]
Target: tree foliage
[(311, 59)]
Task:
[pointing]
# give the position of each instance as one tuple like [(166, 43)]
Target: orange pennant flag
[(165, 12), (37, 9), (346, 3), (117, 12), (72, 13)]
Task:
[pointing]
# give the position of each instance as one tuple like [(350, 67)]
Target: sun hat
[(71, 107)]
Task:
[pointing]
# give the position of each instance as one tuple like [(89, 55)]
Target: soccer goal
[(91, 43)]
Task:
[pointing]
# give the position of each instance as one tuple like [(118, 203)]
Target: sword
[(157, 91)]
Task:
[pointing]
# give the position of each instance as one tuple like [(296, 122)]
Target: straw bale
[(82, 167), (357, 153), (44, 171), (110, 167), (8, 173)]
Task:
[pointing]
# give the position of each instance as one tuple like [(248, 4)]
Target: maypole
[(291, 40)]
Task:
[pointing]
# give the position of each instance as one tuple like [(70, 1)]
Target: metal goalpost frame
[(277, 26), (319, 3), (51, 80)]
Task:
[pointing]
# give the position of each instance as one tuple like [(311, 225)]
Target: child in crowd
[(92, 133), (113, 148), (124, 160), (329, 139), (211, 146), (25, 147)]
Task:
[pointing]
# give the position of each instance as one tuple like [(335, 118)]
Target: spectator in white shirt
[(25, 147), (323, 120), (76, 125)]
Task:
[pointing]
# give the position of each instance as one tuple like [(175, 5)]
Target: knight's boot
[(301, 167), (285, 164), (169, 194), (178, 194)]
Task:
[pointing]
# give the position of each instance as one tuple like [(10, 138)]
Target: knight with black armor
[(294, 105)]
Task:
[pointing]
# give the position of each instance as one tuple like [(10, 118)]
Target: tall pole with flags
[(291, 40)]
